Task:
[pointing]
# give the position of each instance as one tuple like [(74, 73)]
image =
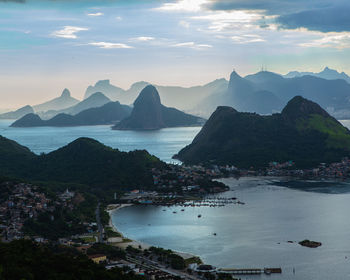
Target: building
[(98, 258)]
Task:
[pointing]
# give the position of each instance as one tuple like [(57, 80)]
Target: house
[(98, 258)]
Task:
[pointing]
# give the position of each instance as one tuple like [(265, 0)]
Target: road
[(99, 224)]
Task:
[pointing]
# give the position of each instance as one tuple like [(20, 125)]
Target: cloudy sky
[(47, 45)]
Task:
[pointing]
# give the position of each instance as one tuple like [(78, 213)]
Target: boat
[(174, 212), (182, 209), (214, 233), (199, 215)]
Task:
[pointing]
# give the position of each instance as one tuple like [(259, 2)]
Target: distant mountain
[(97, 99), (148, 114), (84, 161), (173, 96), (104, 86), (59, 103), (326, 73), (14, 115), (109, 113), (266, 92), (304, 133)]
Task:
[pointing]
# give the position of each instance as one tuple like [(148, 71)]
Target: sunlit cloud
[(108, 45), (184, 5), (95, 14), (221, 21), (143, 39), (193, 45), (68, 32), (330, 40), (247, 38)]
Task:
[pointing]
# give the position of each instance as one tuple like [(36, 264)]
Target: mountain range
[(266, 92), (326, 73), (303, 132), (171, 95), (97, 99), (14, 115), (59, 103), (109, 113), (149, 114)]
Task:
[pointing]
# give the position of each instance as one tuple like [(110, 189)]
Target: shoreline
[(134, 243)]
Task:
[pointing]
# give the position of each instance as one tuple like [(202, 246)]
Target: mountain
[(104, 86), (14, 115), (171, 95), (266, 92), (326, 73), (109, 113), (149, 114), (59, 103), (97, 99), (84, 161), (302, 132), (13, 156)]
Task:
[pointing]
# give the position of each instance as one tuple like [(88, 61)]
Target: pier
[(249, 271)]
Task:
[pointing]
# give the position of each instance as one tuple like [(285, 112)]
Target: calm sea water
[(256, 234), (163, 143)]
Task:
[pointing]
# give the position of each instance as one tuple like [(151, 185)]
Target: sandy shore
[(133, 243)]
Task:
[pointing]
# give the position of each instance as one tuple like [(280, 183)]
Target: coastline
[(134, 243)]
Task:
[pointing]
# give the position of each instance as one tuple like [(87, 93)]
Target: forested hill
[(303, 133), (84, 161)]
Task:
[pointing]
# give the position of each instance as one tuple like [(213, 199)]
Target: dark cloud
[(326, 20), (321, 15)]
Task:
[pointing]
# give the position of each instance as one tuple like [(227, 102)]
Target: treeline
[(24, 259)]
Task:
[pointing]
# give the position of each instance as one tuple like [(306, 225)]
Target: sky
[(49, 45)]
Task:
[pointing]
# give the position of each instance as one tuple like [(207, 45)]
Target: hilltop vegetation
[(84, 161), (24, 259), (303, 132)]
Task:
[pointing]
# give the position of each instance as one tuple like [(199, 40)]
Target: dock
[(249, 271)]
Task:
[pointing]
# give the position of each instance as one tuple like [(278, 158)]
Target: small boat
[(199, 215), (214, 233), (174, 212), (182, 210)]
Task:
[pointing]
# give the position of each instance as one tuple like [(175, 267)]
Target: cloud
[(143, 39), (183, 5), (118, 18), (220, 21), (107, 45), (184, 23), (247, 39), (321, 15), (330, 40), (193, 45), (95, 14), (68, 32), (326, 20)]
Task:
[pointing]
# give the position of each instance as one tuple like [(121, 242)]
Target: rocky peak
[(65, 93)]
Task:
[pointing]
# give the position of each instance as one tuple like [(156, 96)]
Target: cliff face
[(149, 114), (303, 132)]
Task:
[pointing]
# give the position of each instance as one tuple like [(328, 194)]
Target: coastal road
[(99, 224)]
